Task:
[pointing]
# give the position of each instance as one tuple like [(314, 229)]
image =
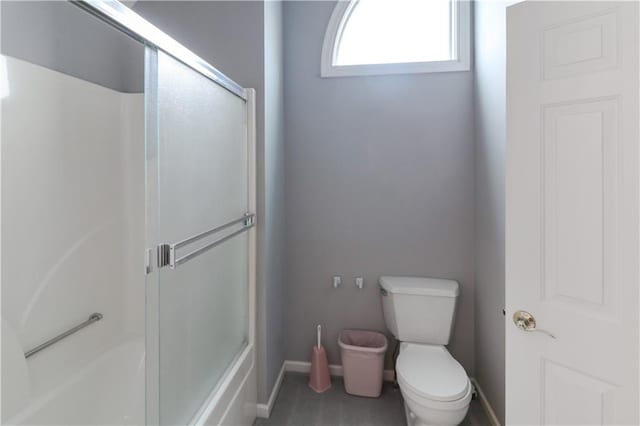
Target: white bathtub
[(108, 391)]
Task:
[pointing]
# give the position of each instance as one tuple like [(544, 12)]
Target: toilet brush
[(319, 379)]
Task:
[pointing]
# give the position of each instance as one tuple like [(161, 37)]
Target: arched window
[(366, 37)]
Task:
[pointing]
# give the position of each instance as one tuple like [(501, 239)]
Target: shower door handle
[(167, 252)]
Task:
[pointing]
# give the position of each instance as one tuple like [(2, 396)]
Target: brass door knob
[(526, 322)]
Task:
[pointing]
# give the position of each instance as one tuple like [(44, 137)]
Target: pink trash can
[(362, 355)]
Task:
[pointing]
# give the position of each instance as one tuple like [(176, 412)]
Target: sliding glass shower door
[(197, 209)]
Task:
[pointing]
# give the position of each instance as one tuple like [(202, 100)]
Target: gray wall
[(64, 38), (490, 59), (379, 180), (232, 36), (271, 315)]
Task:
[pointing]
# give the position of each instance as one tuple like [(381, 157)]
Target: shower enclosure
[(128, 225)]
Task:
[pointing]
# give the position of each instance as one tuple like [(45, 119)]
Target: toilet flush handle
[(526, 322)]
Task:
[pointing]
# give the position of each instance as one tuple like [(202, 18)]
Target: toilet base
[(412, 420), (433, 417)]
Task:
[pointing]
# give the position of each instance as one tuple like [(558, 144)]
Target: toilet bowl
[(435, 387), (419, 312)]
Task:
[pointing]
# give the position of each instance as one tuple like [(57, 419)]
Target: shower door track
[(121, 17)]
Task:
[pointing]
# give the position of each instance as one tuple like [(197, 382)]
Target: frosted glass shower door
[(202, 191)]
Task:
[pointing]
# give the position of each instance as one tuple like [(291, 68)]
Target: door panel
[(572, 216), (580, 164), (201, 187), (574, 398)]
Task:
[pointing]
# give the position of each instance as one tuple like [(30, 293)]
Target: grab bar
[(92, 318), (167, 252)]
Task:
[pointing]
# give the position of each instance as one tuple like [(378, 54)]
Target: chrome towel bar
[(92, 318), (167, 252)]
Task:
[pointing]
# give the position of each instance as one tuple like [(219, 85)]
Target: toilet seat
[(428, 373)]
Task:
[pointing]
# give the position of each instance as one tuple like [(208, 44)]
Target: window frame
[(461, 22)]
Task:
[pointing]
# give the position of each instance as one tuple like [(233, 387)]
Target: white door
[(572, 212)]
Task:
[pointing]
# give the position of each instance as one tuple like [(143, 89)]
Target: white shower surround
[(73, 238), (115, 380), (96, 147)]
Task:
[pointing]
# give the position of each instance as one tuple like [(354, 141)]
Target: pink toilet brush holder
[(319, 379)]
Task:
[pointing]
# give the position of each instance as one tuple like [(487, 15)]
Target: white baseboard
[(264, 410), (334, 370), (491, 415)]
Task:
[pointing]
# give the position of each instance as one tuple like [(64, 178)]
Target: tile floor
[(297, 405)]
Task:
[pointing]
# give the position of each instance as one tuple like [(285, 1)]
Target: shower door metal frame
[(240, 379), (223, 401), (120, 16)]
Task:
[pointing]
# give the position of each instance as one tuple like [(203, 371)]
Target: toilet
[(419, 312)]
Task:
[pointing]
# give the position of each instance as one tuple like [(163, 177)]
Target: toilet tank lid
[(420, 286)]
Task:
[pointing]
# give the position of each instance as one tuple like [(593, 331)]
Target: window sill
[(329, 71)]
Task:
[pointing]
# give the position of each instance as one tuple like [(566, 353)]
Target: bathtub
[(107, 391)]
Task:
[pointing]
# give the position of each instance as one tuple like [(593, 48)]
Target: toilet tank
[(419, 310)]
